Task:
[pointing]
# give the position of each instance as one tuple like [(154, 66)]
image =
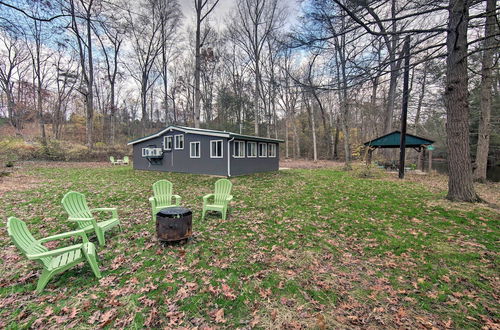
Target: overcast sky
[(224, 7)]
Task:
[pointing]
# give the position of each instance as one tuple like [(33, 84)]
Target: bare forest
[(325, 76)]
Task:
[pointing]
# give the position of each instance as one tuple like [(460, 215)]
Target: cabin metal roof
[(202, 131), (392, 140)]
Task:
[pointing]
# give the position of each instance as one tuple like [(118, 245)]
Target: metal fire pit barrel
[(174, 224)]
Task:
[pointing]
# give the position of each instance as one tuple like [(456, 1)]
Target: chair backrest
[(125, 159), (162, 191), (112, 159), (23, 239), (76, 205), (222, 190)]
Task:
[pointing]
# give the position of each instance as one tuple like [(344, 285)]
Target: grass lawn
[(301, 248)]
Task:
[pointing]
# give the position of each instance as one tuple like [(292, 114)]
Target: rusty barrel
[(174, 224)]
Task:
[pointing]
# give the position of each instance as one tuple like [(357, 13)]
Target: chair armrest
[(206, 197), (74, 233), (54, 253), (229, 198), (177, 199), (107, 209)]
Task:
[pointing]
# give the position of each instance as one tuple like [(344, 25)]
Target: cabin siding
[(179, 160), (176, 160), (242, 166)]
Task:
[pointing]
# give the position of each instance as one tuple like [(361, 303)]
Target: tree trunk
[(326, 126), (345, 130), (287, 155), (332, 138), (11, 109), (483, 141), (391, 98), (420, 100), (90, 88), (256, 99), (296, 140), (144, 103), (460, 185), (313, 129), (336, 139), (197, 69), (39, 97), (112, 119)]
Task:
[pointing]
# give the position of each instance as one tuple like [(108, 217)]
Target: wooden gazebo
[(392, 140)]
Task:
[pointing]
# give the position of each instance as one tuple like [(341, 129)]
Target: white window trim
[(273, 147), (234, 149), (222, 148), (165, 140), (157, 152), (175, 140), (191, 150), (258, 150)]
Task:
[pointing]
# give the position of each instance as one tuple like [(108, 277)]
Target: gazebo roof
[(392, 140)]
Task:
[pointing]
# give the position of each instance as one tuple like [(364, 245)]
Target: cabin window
[(151, 152), (179, 141), (272, 150), (239, 149), (252, 149), (216, 149), (167, 142), (262, 149), (194, 149)]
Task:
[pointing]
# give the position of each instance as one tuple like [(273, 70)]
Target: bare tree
[(66, 79), (145, 30), (13, 55), (255, 21), (83, 10), (35, 37), (111, 39), (460, 185), (170, 16), (203, 9), (486, 91)]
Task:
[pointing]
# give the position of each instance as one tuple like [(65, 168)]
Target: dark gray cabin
[(203, 151)]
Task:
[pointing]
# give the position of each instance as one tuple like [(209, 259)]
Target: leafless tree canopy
[(324, 75)]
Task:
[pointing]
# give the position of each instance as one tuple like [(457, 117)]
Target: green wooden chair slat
[(163, 196), (221, 198), (78, 210), (53, 261)]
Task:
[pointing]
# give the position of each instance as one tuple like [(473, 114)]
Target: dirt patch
[(43, 164), (438, 183), (16, 181), (309, 164)]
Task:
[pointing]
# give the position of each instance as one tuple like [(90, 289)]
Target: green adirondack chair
[(162, 197), (76, 205), (221, 198), (53, 261), (125, 160), (113, 161)]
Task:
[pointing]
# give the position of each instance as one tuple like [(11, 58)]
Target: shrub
[(13, 149)]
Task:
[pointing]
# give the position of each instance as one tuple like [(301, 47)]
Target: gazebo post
[(430, 161), (423, 159), (404, 107), (420, 165)]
